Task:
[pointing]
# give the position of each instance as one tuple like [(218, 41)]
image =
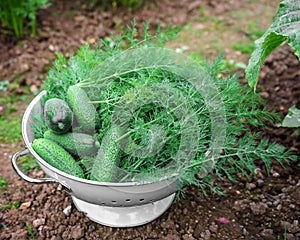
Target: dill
[(173, 116)]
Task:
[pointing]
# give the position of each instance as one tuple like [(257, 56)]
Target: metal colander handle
[(23, 175)]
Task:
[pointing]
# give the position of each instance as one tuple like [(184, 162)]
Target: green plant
[(141, 92), (11, 205), (30, 232), (253, 29), (16, 204), (244, 48), (134, 4), (3, 183), (4, 85), (252, 32), (14, 13), (285, 26), (230, 65), (283, 235), (131, 4), (28, 163), (10, 128)]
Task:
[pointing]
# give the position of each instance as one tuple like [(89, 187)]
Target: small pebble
[(276, 174), (33, 88), (25, 205), (290, 237), (279, 207), (78, 233), (258, 173), (92, 228), (185, 211), (267, 232), (51, 48), (285, 189), (275, 203), (245, 232), (265, 94), (67, 210), (292, 206), (285, 224), (38, 222), (250, 186), (207, 235), (296, 222), (260, 183), (258, 208), (213, 228)]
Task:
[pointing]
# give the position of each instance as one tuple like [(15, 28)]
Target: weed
[(283, 235), (11, 205), (16, 204), (30, 232), (13, 14), (10, 129), (4, 85), (244, 48), (201, 10), (3, 183), (230, 65), (130, 4), (28, 163)]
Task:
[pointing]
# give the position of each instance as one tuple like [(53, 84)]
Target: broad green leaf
[(293, 118), (285, 26)]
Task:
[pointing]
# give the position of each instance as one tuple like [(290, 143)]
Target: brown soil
[(266, 207)]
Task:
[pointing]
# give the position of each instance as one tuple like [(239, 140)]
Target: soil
[(265, 207)]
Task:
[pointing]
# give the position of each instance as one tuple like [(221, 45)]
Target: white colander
[(110, 204)]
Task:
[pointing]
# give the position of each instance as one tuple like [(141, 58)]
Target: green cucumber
[(79, 144), (58, 115), (107, 159), (85, 112), (57, 157)]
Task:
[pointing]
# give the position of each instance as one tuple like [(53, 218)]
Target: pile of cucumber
[(70, 143)]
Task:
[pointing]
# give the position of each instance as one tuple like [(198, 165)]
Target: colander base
[(124, 216)]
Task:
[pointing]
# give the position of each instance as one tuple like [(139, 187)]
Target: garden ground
[(265, 207)]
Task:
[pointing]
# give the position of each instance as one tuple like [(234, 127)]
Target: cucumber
[(85, 112), (107, 159), (58, 115), (79, 144), (57, 157)]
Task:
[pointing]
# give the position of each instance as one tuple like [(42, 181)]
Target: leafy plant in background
[(4, 85), (15, 14), (285, 27), (131, 4), (3, 183)]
